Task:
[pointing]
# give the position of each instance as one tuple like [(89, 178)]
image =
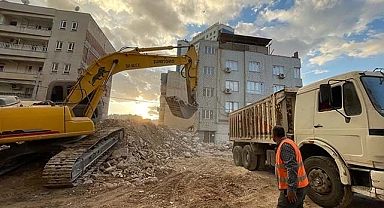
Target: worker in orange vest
[(289, 168)]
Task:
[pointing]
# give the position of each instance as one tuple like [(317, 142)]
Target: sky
[(331, 36)]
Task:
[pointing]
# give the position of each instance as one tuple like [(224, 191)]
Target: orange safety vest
[(282, 174)]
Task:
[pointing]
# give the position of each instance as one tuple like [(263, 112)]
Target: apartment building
[(211, 33), (44, 50), (234, 71)]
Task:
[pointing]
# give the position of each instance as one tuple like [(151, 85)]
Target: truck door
[(331, 127)]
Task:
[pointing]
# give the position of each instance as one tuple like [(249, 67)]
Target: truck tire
[(237, 153), (325, 187), (249, 158)]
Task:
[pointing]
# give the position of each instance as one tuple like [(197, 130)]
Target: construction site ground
[(200, 175)]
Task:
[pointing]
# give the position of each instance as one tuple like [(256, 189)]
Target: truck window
[(352, 104), (336, 100)]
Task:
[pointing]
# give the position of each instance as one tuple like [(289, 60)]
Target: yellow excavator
[(50, 127)]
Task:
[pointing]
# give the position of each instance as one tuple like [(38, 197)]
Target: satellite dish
[(26, 2), (77, 8)]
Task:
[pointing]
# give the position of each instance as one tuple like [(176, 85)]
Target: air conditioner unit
[(227, 91), (281, 76), (227, 69)]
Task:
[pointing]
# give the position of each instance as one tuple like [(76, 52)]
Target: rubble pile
[(142, 156)]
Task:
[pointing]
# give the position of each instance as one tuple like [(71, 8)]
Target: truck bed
[(254, 122)]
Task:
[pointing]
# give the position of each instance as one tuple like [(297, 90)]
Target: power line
[(130, 99)]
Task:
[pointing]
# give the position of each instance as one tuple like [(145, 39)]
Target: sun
[(132, 107)]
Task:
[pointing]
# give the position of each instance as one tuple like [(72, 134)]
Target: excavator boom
[(93, 81)]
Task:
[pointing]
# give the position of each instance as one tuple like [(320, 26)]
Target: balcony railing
[(18, 94), (23, 47), (31, 30)]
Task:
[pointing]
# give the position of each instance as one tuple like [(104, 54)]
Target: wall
[(210, 81), (176, 86), (242, 75), (63, 56), (96, 46)]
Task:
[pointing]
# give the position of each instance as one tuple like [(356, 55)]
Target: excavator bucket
[(179, 108)]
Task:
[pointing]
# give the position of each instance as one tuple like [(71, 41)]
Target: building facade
[(234, 71), (43, 51)]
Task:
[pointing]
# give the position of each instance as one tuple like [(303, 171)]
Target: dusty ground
[(153, 166), (208, 181)]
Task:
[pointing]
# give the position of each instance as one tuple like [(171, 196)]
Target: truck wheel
[(237, 153), (249, 158), (325, 187)]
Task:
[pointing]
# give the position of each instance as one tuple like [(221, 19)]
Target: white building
[(43, 50), (234, 70), (211, 33)]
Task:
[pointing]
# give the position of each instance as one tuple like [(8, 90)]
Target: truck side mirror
[(325, 94)]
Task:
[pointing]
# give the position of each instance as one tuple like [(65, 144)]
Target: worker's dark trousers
[(283, 200)]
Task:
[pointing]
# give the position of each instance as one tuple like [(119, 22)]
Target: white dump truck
[(338, 124)]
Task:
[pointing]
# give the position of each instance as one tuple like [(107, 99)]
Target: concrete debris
[(141, 157)]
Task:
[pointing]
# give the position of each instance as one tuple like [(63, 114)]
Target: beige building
[(44, 50), (234, 71)]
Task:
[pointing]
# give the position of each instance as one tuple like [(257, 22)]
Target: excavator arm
[(92, 84)]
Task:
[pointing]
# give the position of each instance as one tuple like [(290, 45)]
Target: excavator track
[(63, 169)]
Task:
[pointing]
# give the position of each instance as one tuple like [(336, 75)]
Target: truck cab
[(339, 127)]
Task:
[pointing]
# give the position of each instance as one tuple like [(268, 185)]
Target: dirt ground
[(207, 181)]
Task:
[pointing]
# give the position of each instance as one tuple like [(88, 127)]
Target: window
[(335, 103), (352, 104), (278, 70), (54, 67), (296, 73), (277, 88), (231, 64), (59, 45), (2, 68), (28, 69), (255, 88), (209, 49), (233, 85), (71, 46), (67, 68), (63, 24), (231, 106), (207, 114), (208, 92), (74, 26), (28, 91), (254, 66), (208, 70)]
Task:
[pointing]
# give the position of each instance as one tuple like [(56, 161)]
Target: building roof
[(250, 40)]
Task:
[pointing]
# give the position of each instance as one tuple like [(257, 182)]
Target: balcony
[(18, 94), (44, 32), (18, 76), (23, 50)]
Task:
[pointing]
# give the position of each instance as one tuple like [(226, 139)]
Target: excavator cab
[(58, 90)]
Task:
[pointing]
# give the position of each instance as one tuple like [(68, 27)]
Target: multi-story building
[(211, 33), (44, 50), (234, 71)]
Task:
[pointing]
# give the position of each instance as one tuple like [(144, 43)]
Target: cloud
[(318, 28), (316, 71), (337, 47)]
